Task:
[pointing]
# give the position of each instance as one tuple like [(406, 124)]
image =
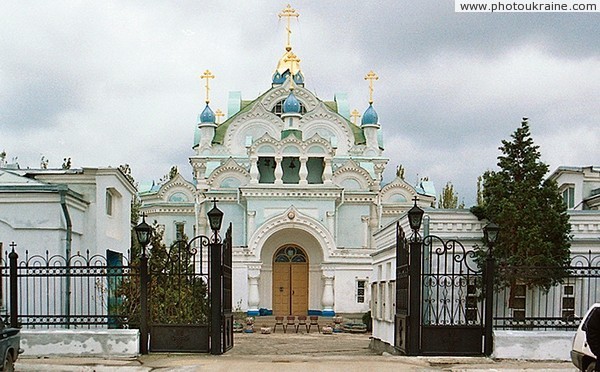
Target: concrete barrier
[(66, 342), (533, 345)]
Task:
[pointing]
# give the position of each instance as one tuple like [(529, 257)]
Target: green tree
[(448, 198), (479, 190), (177, 295), (533, 245)]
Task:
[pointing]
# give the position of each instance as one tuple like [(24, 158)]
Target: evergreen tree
[(176, 293), (534, 241), (448, 198)]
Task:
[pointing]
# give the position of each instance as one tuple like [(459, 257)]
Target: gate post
[(14, 303), (144, 303), (489, 305), (414, 293), (216, 303)]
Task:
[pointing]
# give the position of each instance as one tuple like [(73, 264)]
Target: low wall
[(65, 342), (524, 345), (533, 345)]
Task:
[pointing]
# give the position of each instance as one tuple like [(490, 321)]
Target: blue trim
[(328, 313), (315, 312), (253, 313)]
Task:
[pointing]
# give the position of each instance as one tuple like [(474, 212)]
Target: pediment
[(270, 99), (177, 190), (397, 192), (352, 176), (229, 175)]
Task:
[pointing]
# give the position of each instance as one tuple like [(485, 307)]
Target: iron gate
[(189, 303), (178, 297), (452, 312), (439, 298)]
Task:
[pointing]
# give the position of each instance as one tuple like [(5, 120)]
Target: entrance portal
[(290, 281)]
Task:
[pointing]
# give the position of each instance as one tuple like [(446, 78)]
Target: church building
[(301, 181)]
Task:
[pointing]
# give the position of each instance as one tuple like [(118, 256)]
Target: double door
[(290, 288)]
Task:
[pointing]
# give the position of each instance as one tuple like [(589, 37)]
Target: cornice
[(266, 191)]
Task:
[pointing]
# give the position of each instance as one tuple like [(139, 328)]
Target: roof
[(247, 105)]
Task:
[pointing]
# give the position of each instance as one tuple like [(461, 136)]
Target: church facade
[(302, 185)]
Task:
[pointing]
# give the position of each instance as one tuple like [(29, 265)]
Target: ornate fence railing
[(561, 307), (55, 292)]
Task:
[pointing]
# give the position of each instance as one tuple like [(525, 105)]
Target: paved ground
[(288, 352)]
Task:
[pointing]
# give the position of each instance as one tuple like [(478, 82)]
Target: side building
[(66, 211)]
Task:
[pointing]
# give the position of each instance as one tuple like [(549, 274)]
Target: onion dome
[(370, 116), (207, 116), (291, 104)]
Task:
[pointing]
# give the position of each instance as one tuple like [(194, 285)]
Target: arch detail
[(292, 219)]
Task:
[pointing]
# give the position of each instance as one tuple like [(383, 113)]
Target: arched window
[(290, 253)]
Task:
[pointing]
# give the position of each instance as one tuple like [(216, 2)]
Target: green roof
[(246, 105)]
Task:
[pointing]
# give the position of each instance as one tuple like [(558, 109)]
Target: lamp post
[(215, 218), (415, 217), (143, 231), (490, 236)]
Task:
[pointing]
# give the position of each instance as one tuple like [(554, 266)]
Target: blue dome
[(291, 104), (207, 116), (370, 116)]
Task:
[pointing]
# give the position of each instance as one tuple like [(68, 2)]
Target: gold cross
[(207, 75), (371, 76), (291, 57), (355, 115), (219, 114), (288, 13)]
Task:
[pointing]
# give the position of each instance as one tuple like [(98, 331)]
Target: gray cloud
[(118, 82)]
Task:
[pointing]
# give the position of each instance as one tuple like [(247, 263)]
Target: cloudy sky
[(114, 82)]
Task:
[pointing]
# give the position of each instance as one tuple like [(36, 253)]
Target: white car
[(581, 355)]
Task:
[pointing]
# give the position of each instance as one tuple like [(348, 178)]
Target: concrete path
[(288, 352)]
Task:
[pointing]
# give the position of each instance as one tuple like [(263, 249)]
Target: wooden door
[(290, 281), (281, 289), (299, 288)]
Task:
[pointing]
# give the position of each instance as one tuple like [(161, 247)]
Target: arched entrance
[(290, 281)]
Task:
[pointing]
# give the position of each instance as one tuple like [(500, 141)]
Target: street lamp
[(143, 231), (415, 216), (490, 234), (215, 218)]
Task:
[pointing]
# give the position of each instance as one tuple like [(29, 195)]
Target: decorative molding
[(258, 113), (229, 169), (281, 92), (398, 184), (353, 170), (278, 192), (280, 145), (179, 184), (168, 210), (301, 222)]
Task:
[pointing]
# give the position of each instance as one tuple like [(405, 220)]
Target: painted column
[(253, 293), (303, 173), (254, 174), (250, 224), (365, 222), (331, 222), (328, 300), (327, 172), (278, 171)]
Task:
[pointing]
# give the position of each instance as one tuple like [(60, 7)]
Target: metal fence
[(52, 291), (559, 308)]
